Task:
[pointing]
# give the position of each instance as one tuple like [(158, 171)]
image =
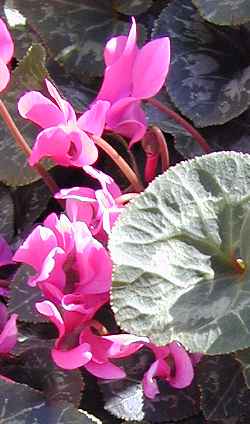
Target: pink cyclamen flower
[(97, 208), (172, 364), (62, 139), (73, 269), (132, 74), (6, 53), (79, 345), (8, 330)]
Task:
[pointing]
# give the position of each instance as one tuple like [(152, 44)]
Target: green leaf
[(132, 7), (224, 394), (184, 142), (30, 202), (36, 368), (29, 75), (20, 404), (224, 12), (75, 39), (175, 251), (209, 73), (23, 297), (6, 213)]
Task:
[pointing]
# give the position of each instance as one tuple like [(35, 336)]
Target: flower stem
[(21, 142), (120, 162), (163, 148), (181, 121)]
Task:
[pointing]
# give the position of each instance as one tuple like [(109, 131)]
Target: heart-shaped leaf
[(224, 12), (20, 404), (243, 356), (209, 73), (6, 213), (75, 39), (29, 75), (176, 249), (23, 297), (224, 394), (36, 368), (132, 7)]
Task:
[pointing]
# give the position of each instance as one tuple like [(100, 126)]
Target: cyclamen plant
[(162, 244)]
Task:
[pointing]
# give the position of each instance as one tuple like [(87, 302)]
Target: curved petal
[(124, 345), (117, 81), (106, 370), (127, 118), (93, 121), (73, 358), (151, 68), (8, 336), (84, 150), (53, 142), (6, 43), (4, 75), (150, 386), (40, 110), (114, 49), (41, 238), (48, 309), (66, 108), (51, 270), (80, 203), (86, 304), (184, 372)]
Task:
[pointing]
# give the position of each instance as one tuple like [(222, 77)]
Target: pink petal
[(41, 238), (86, 152), (4, 75), (52, 270), (40, 110), (5, 253), (124, 345), (127, 118), (106, 370), (53, 142), (66, 108), (74, 358), (93, 121), (117, 81), (184, 372), (49, 310), (8, 336), (80, 203), (86, 304), (151, 68), (150, 386), (114, 49), (6, 43)]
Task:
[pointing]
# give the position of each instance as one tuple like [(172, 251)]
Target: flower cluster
[(73, 269)]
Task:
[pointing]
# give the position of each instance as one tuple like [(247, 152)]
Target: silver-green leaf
[(178, 274)]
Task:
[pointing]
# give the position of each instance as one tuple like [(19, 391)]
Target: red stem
[(120, 162), (163, 148), (186, 125)]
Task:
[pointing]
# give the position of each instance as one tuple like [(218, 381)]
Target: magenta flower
[(97, 208), (8, 330), (77, 345), (132, 74), (173, 364), (73, 269), (62, 139), (6, 53)]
